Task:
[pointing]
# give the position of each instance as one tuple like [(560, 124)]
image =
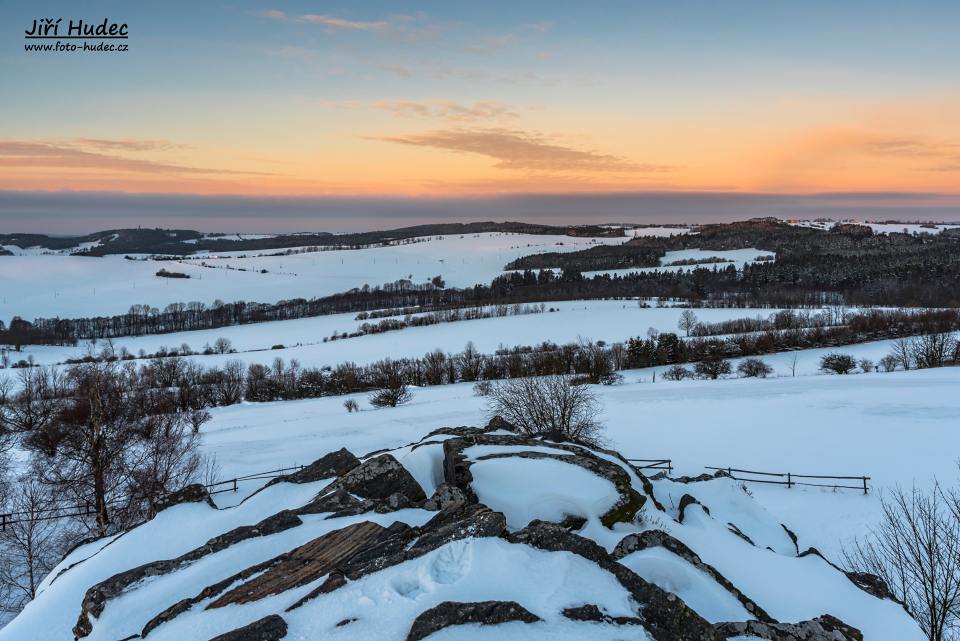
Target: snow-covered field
[(882, 228), (595, 320), (71, 286), (838, 425), (896, 428)]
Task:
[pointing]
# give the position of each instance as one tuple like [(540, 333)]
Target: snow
[(608, 320), (880, 228), (792, 588), (72, 286), (846, 425), (697, 589), (813, 424), (165, 537), (545, 489)]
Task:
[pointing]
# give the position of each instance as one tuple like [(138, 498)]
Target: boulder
[(195, 493), (451, 613), (445, 497), (328, 466), (377, 478)]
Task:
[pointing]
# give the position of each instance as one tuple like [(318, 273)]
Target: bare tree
[(915, 549), (222, 345), (31, 546), (793, 363), (688, 320), (933, 350), (902, 351), (548, 406)]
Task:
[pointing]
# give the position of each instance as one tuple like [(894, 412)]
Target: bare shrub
[(482, 388), (838, 363), (754, 368), (351, 405), (866, 365), (677, 373), (888, 363), (32, 546), (391, 383), (915, 549), (548, 406), (712, 367)]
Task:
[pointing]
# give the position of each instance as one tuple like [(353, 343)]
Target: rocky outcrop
[(686, 501), (656, 538), (195, 493), (665, 617), (450, 613), (869, 583), (823, 628), (97, 596), (328, 466), (590, 612), (269, 628), (456, 469)]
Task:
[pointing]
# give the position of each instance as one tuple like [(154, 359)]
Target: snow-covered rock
[(521, 538)]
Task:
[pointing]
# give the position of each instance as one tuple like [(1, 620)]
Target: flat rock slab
[(306, 563)]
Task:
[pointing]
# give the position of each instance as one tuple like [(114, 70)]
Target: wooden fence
[(74, 511), (653, 464), (789, 479)]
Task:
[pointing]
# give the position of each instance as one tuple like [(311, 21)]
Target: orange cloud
[(14, 153), (520, 150)]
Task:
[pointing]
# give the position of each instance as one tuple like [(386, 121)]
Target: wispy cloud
[(407, 28), (324, 20), (18, 153), (519, 150), (449, 110), (127, 144), (944, 155)]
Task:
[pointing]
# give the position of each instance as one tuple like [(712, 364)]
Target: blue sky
[(477, 102)]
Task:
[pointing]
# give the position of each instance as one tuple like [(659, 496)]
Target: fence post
[(864, 485), (789, 481), (235, 485), (3, 522)]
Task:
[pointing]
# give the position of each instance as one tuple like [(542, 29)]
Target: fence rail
[(74, 511), (653, 464), (789, 479)]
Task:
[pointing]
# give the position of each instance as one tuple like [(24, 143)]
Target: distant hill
[(185, 241)]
